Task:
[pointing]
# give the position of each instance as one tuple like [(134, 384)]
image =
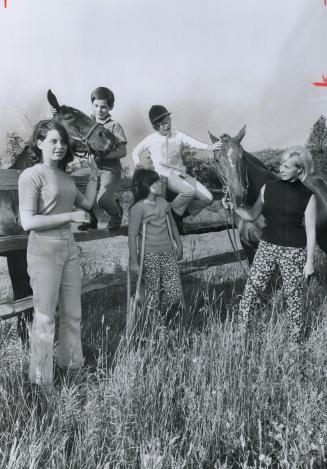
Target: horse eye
[(68, 116), (100, 134)]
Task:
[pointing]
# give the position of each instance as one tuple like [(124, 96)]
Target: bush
[(199, 166), (269, 158)]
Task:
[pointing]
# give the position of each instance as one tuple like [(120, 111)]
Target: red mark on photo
[(323, 82), (5, 3)]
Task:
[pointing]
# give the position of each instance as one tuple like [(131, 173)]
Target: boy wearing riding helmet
[(166, 147)]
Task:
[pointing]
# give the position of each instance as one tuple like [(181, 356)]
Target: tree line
[(196, 163)]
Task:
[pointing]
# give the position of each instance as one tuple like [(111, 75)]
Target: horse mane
[(257, 175)]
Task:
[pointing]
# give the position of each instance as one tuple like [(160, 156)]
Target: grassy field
[(189, 396)]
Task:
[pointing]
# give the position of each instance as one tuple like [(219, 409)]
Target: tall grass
[(184, 397)]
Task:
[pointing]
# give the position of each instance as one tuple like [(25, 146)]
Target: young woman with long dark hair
[(47, 196)]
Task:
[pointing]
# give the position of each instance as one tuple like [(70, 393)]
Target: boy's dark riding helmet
[(157, 113)]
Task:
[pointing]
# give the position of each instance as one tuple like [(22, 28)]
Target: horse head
[(85, 134), (242, 175), (230, 166)]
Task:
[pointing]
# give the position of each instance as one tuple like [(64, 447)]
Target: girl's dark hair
[(141, 182), (40, 132), (103, 93)]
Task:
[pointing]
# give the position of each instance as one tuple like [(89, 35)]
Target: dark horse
[(243, 175), (85, 136)]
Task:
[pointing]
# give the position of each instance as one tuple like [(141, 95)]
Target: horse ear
[(53, 100), (241, 134), (212, 137)]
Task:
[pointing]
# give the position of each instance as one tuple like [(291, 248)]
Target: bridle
[(85, 140), (230, 222)]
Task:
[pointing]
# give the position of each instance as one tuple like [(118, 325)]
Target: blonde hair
[(302, 159)]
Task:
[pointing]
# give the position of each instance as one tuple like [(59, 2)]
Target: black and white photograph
[(163, 234)]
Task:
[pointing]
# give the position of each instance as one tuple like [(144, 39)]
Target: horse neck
[(257, 175)]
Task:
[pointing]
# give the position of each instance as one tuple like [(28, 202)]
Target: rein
[(231, 222), (232, 237)]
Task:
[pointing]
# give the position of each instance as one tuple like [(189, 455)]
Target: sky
[(215, 64)]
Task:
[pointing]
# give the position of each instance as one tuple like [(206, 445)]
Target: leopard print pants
[(162, 282), (291, 262)]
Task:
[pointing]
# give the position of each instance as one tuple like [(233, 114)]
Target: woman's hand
[(308, 269), (134, 267), (80, 217), (179, 251), (227, 203)]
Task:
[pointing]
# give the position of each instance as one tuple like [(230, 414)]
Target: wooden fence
[(8, 181)]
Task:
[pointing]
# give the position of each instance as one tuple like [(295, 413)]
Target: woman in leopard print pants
[(286, 241)]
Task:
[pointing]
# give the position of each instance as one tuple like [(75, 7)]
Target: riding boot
[(93, 225), (115, 220)]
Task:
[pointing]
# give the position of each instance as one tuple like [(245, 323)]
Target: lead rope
[(233, 242)]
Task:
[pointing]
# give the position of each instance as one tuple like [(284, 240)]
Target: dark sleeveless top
[(284, 206)]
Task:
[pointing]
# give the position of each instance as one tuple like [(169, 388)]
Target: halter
[(85, 140)]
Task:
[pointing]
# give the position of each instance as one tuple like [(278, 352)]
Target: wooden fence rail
[(9, 180), (13, 308)]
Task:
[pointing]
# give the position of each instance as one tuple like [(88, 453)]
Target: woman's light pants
[(54, 269)]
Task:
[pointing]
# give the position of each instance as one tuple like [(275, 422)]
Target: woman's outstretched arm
[(86, 200), (251, 214), (310, 216)]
